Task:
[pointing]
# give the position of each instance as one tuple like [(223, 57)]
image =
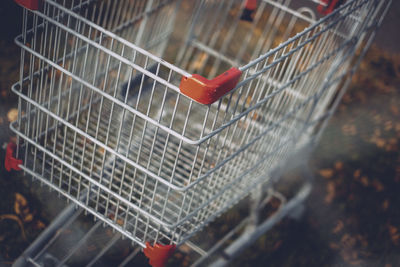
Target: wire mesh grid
[(103, 122)]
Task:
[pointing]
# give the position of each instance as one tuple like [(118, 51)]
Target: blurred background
[(352, 216)]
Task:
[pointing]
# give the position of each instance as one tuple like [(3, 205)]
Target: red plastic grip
[(29, 4), (11, 163), (206, 91), (159, 254), (250, 4), (329, 6)]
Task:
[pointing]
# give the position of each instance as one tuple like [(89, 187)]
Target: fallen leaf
[(184, 248), (338, 165), (377, 185), (357, 173), (12, 115), (364, 181), (339, 226), (380, 142), (20, 203), (330, 188), (394, 234), (326, 173), (385, 204), (40, 225), (28, 218), (392, 229), (348, 241)]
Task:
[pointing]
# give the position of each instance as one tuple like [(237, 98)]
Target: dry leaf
[(364, 181), (20, 202), (40, 225), (348, 241), (385, 204), (326, 173), (339, 165), (185, 249), (330, 188), (380, 142), (392, 230), (339, 226), (357, 173), (394, 234), (28, 218), (12, 115), (378, 185)]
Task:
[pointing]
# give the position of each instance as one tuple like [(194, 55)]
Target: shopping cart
[(156, 152)]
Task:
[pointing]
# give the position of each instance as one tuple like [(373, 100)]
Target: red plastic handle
[(159, 254), (329, 6), (250, 4), (11, 163), (29, 4), (206, 91)]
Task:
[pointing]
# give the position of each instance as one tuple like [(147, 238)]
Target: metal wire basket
[(155, 151)]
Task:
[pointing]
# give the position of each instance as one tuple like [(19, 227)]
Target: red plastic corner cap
[(29, 4), (329, 6), (206, 91), (10, 162), (250, 4), (159, 254)]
